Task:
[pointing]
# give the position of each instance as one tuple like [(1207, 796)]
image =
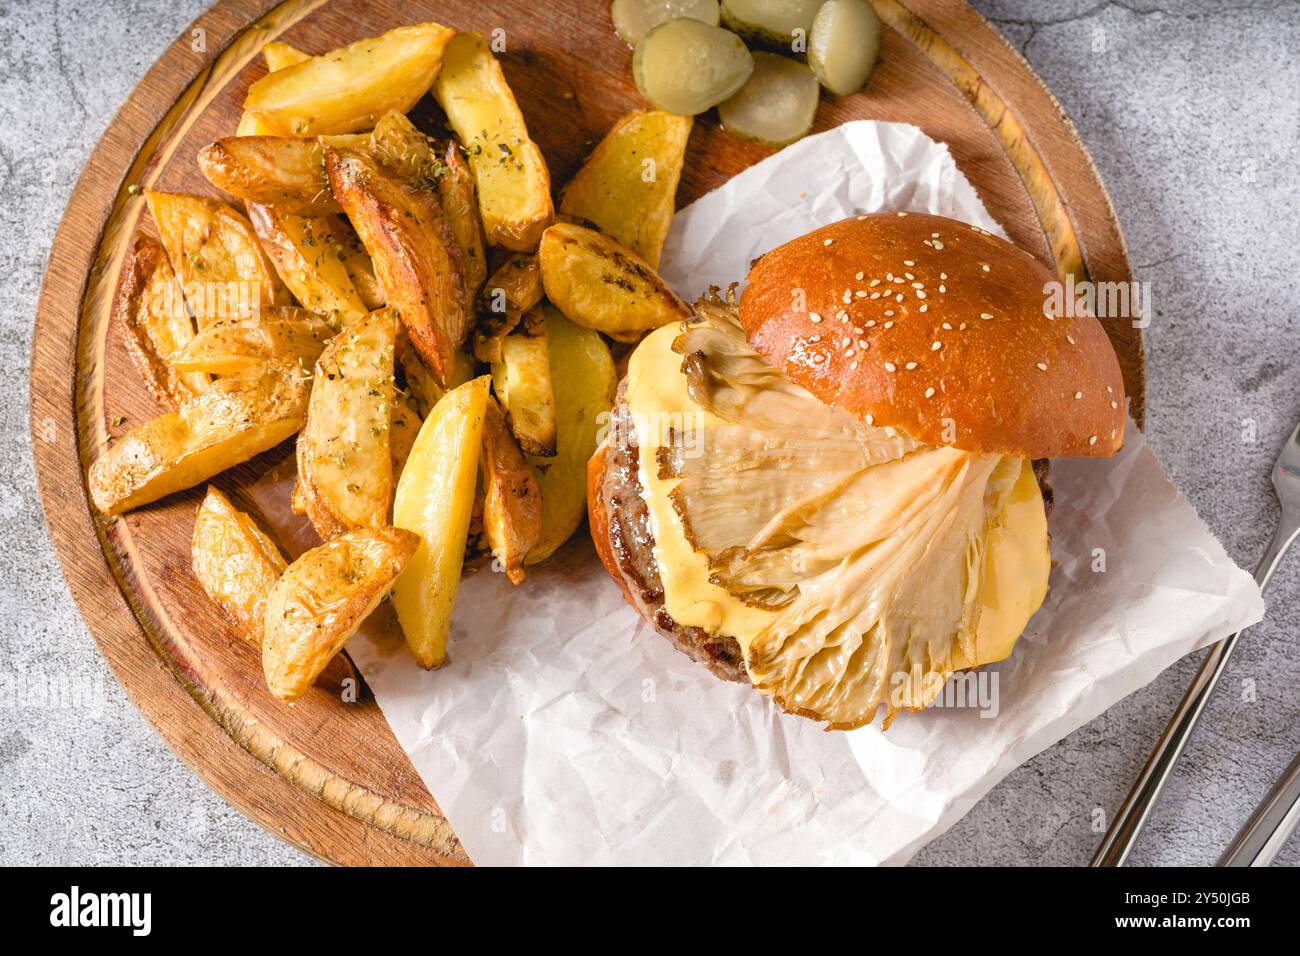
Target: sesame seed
[(909, 366), (861, 294), (918, 285), (859, 276), (899, 297), (863, 344), (936, 345), (938, 244), (1114, 404), (924, 307), (889, 312), (1109, 390), (909, 275), (947, 326), (848, 353), (902, 215), (920, 294), (873, 283), (871, 323), (898, 278), (870, 419), (934, 235), (875, 295), (929, 392), (814, 317), (1092, 440), (853, 365), (984, 266), (1078, 395), (828, 242), (986, 315), (1042, 366), (847, 341), (943, 275), (890, 367), (889, 324), (943, 288), (842, 316), (1070, 339), (908, 262)]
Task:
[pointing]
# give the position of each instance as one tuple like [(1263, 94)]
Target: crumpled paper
[(564, 730)]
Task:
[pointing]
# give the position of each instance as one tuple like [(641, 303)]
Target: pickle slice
[(685, 66), (844, 44), (771, 22), (776, 105), (633, 19)]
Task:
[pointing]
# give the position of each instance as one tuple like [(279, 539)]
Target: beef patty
[(632, 545)]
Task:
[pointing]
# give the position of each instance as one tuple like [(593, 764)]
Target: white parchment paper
[(565, 731)]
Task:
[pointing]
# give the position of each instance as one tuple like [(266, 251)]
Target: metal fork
[(1119, 839)]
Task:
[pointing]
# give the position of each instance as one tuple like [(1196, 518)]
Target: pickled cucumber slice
[(633, 19), (685, 66), (844, 44), (771, 22), (777, 104)]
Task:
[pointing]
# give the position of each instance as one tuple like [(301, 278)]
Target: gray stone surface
[(1191, 113)]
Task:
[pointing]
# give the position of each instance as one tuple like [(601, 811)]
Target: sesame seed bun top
[(941, 330)]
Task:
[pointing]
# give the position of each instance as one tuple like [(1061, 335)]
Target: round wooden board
[(327, 776)]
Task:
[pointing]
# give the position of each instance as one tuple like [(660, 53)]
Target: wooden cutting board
[(326, 776)]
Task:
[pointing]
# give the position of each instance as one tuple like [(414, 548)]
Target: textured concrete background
[(1189, 109)]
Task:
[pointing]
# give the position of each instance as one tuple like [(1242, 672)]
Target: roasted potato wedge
[(344, 463), (514, 186), (151, 318), (580, 359), (628, 185), (222, 268), (361, 270), (236, 418), (512, 290), (416, 258), (404, 426), (235, 562), (422, 386), (598, 283), (435, 499), (344, 90), (460, 206), (279, 333), (321, 600), (281, 171), (523, 383), (309, 255), (280, 55), (512, 500), (418, 159)]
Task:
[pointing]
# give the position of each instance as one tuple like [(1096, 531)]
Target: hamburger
[(835, 489)]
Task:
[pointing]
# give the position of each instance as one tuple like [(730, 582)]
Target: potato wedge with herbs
[(580, 359), (280, 55), (236, 418), (361, 270), (416, 258), (282, 171), (419, 160), (523, 384), (321, 600), (217, 257), (344, 463), (403, 427), (151, 317), (309, 256), (514, 186), (512, 290), (280, 333), (628, 185), (346, 89), (235, 562), (512, 500), (435, 499), (598, 283)]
